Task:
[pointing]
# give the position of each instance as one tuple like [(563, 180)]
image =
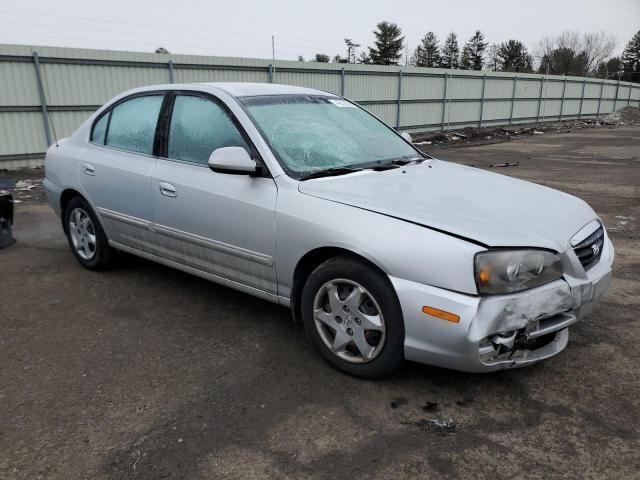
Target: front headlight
[(504, 271)]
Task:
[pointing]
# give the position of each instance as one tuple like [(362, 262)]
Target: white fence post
[(584, 85), (43, 99), (564, 89), (399, 100), (513, 98), (484, 82), (540, 99), (600, 99), (444, 99), (170, 71)]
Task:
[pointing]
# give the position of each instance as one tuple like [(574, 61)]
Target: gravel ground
[(145, 372)]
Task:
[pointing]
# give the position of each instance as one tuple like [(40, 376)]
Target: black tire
[(104, 255), (391, 355)]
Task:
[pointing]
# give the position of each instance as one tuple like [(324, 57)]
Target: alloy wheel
[(83, 234), (349, 320)]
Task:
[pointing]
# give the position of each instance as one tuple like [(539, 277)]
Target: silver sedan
[(305, 199)]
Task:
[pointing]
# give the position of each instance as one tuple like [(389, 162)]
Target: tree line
[(569, 53)]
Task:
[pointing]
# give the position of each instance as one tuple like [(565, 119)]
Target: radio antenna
[(43, 100)]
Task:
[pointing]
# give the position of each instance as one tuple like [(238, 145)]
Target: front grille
[(590, 249)]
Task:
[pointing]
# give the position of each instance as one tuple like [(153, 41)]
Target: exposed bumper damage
[(501, 331)]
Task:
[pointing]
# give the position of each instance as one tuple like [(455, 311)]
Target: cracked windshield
[(311, 133)]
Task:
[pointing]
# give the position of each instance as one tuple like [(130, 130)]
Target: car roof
[(239, 89)]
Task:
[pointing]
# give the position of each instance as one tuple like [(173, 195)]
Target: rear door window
[(133, 124)]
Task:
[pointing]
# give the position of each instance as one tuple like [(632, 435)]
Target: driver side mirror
[(233, 160)]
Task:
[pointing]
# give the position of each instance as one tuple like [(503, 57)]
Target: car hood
[(488, 208)]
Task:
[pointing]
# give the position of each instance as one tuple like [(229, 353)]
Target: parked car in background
[(305, 199)]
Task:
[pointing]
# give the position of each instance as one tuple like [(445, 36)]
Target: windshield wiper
[(405, 161), (329, 172)]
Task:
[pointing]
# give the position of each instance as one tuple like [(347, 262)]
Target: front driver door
[(221, 224)]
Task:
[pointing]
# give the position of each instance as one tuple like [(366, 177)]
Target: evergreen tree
[(364, 58), (565, 61), (609, 69), (473, 52), (428, 52), (465, 59), (450, 52), (388, 44), (631, 60), (321, 57), (513, 57)]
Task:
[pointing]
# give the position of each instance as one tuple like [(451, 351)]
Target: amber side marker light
[(484, 275), (441, 314)]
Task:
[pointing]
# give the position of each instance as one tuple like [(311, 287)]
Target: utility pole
[(351, 50), (273, 48)]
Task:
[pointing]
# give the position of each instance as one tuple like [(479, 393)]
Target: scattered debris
[(437, 425), (507, 164), (429, 406), (623, 116), (464, 401), (398, 402), (485, 135), (23, 189)]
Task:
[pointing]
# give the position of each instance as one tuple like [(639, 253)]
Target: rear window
[(100, 129)]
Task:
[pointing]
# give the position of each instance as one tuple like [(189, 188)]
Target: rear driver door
[(117, 166)]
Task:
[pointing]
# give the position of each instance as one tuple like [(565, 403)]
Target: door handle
[(88, 169), (167, 189)]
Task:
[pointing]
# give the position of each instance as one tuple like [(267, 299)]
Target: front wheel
[(86, 238), (353, 316)]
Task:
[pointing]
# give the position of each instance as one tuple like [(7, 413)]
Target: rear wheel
[(86, 238), (353, 317)]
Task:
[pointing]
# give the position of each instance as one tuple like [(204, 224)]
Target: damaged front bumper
[(501, 331)]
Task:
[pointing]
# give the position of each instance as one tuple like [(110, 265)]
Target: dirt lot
[(145, 372)]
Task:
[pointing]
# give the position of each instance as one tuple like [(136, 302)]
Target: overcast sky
[(244, 27)]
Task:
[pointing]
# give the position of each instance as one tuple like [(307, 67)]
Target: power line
[(163, 26), (153, 45), (159, 37)]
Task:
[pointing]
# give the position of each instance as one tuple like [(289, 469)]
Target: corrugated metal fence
[(68, 84)]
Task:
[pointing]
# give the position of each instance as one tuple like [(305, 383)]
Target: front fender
[(400, 249)]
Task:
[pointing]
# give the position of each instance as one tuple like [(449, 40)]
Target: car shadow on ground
[(280, 411)]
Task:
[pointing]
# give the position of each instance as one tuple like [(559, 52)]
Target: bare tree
[(575, 53), (598, 47), (493, 59)]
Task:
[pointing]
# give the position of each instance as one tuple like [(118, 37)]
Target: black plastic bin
[(6, 220)]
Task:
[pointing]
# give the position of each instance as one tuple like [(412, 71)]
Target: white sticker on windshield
[(341, 103)]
